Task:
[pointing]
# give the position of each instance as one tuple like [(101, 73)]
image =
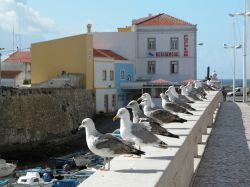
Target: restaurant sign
[(163, 54)]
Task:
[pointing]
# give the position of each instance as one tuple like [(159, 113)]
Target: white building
[(162, 47), (19, 61), (104, 83)]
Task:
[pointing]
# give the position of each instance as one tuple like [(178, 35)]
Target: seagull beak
[(140, 98), (115, 118)]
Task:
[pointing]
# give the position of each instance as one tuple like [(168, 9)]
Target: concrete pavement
[(226, 161)]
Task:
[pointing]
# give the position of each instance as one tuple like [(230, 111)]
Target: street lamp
[(1, 66), (245, 14), (234, 47)]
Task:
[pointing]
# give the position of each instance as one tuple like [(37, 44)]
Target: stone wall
[(29, 117)]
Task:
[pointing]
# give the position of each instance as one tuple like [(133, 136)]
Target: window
[(113, 100), (122, 75), (151, 43), (104, 75), (174, 43), (111, 75), (174, 67), (151, 67)]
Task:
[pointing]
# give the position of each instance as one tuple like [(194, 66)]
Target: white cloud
[(25, 19)]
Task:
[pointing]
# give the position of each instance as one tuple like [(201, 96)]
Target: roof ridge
[(99, 50), (179, 19), (152, 17)]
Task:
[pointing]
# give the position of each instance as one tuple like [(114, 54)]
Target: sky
[(23, 22)]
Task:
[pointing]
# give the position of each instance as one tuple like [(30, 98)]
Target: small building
[(18, 62), (161, 47), (67, 55), (124, 73), (111, 70), (104, 83), (11, 78)]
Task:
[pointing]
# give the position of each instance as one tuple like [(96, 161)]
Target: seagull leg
[(105, 161)]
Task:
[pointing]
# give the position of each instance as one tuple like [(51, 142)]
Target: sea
[(238, 82)]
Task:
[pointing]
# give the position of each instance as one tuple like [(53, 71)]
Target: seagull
[(106, 145), (180, 97), (148, 97), (149, 123), (197, 89), (189, 95), (175, 100), (172, 107), (135, 132), (160, 115)]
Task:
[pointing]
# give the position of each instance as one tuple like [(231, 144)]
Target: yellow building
[(72, 54)]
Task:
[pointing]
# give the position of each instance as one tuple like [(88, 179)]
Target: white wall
[(163, 35), (100, 65), (100, 99), (122, 43)]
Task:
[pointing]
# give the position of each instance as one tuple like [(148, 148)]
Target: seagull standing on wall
[(172, 107), (180, 97), (176, 100), (189, 95), (149, 123), (106, 145), (135, 132), (160, 115)]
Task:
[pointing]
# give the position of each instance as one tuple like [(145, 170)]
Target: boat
[(6, 168), (32, 179), (4, 183), (83, 174), (66, 183), (81, 160)]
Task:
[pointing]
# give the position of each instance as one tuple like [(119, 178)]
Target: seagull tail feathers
[(169, 134), (163, 145), (191, 108), (137, 152), (189, 113), (181, 120)]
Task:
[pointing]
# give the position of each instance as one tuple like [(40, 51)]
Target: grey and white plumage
[(160, 115), (189, 94), (135, 132), (148, 97), (172, 107), (181, 98), (198, 89), (149, 123), (175, 100), (106, 145)]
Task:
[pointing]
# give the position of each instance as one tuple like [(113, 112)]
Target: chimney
[(89, 28), (149, 15)]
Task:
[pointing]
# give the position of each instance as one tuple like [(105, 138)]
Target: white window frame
[(174, 43), (122, 74), (151, 42), (151, 67), (104, 75), (174, 67)]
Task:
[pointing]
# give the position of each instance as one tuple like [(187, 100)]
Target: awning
[(160, 81), (132, 85)]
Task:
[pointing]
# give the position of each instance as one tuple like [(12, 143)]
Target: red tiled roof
[(97, 53), (108, 54), (161, 20), (19, 56), (9, 74)]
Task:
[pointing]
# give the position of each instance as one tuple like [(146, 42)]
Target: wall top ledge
[(148, 170)]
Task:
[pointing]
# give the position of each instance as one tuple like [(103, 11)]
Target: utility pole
[(1, 66)]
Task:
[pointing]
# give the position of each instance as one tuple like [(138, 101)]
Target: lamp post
[(1, 66), (245, 14), (234, 47)]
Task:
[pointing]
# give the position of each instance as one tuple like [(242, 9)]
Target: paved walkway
[(226, 161)]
